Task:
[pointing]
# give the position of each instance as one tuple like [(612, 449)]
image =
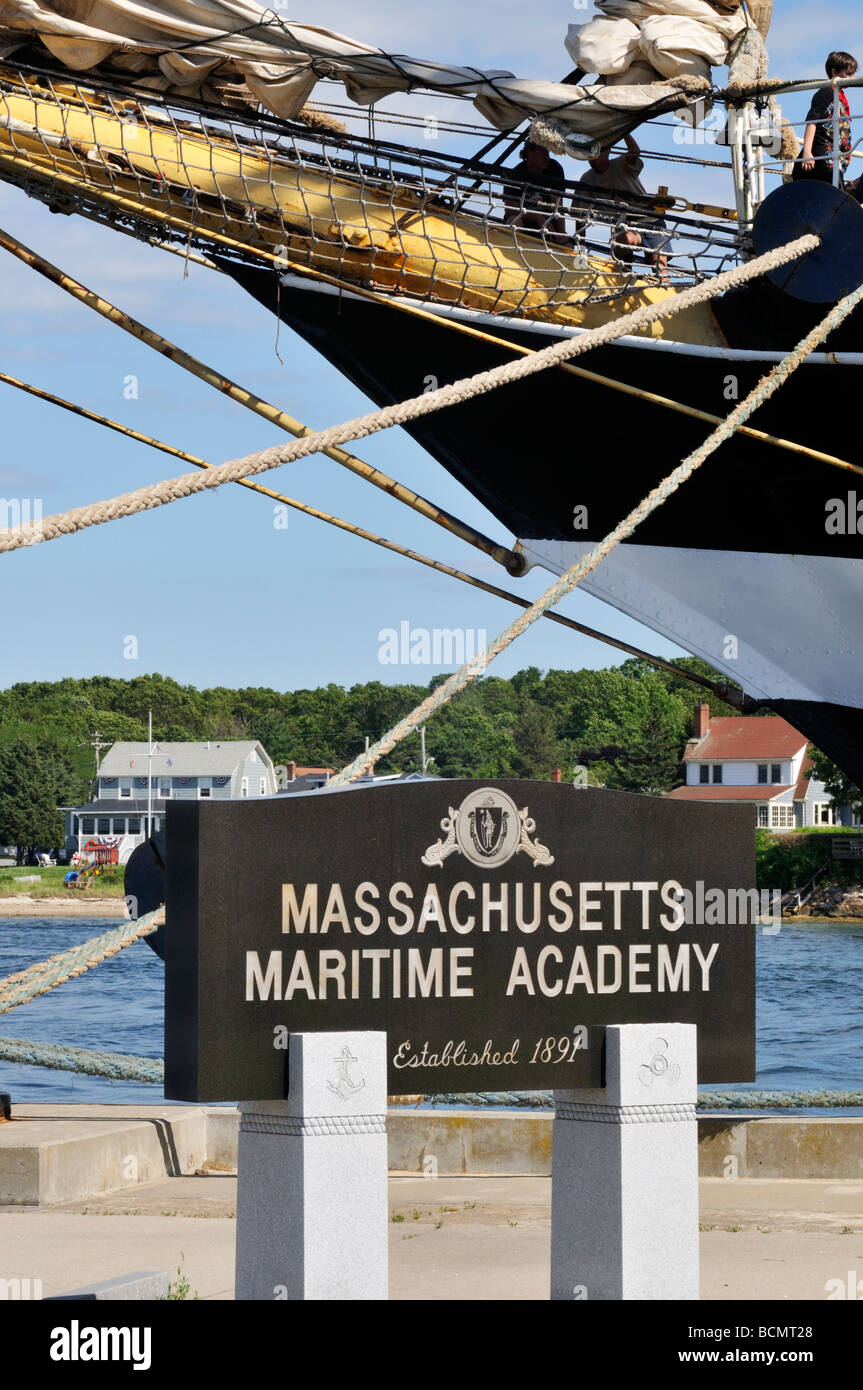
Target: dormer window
[(717, 772), (776, 773), (704, 774), (762, 774)]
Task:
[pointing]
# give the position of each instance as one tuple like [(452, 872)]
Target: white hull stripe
[(558, 330), (784, 627)]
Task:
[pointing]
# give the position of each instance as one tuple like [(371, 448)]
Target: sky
[(208, 590)]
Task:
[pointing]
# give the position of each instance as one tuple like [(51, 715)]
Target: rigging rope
[(191, 364), (273, 414), (722, 689), (173, 489), (579, 572)]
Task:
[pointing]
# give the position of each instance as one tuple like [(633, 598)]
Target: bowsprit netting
[(363, 211)]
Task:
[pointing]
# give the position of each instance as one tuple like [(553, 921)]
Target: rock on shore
[(844, 904)]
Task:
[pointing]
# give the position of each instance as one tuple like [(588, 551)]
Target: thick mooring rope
[(707, 1100), (767, 387), (117, 1066), (150, 1071), (46, 975), (469, 388)]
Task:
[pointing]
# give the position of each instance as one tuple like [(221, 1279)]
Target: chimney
[(556, 776), (702, 721), (292, 771)]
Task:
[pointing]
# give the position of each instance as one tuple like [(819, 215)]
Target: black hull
[(536, 450)]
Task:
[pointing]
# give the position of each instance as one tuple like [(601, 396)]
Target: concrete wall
[(52, 1154)]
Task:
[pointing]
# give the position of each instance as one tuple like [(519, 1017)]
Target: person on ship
[(645, 230), (816, 160), (532, 193)]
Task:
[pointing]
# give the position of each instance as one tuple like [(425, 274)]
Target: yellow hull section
[(124, 155)]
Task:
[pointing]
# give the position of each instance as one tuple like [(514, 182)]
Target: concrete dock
[(89, 1193)]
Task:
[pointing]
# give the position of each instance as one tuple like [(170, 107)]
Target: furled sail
[(186, 46), (637, 41)]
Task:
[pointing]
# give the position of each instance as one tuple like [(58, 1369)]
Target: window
[(704, 773), (263, 786), (776, 772), (717, 772), (822, 813), (204, 793), (134, 825), (118, 825), (162, 788), (762, 775), (244, 787), (782, 816), (205, 787), (125, 793), (88, 825), (762, 817), (104, 825)]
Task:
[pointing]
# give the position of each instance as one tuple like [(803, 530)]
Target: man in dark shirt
[(532, 193), (816, 160)]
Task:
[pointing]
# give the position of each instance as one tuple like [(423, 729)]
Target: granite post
[(312, 1176), (624, 1206)]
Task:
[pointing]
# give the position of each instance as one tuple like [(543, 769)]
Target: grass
[(51, 885)]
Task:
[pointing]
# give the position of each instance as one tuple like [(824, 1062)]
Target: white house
[(212, 771), (761, 761)]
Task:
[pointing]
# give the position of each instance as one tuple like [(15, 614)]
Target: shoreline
[(72, 906), (114, 909), (805, 918)]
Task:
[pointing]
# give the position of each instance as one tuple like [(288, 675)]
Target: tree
[(464, 742), (651, 763), (537, 751), (838, 785), (34, 782)]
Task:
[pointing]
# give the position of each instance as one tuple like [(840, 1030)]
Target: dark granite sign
[(483, 926)]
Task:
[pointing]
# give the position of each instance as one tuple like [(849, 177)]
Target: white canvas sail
[(179, 44)]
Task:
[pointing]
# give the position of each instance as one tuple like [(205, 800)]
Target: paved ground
[(451, 1238)]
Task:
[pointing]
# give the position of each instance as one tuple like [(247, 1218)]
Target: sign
[(485, 927), (848, 847)]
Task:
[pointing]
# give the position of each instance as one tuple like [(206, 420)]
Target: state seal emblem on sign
[(488, 829)]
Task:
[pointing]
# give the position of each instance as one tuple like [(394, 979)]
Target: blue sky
[(212, 592)]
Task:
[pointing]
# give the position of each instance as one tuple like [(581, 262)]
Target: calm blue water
[(810, 1011), (117, 1007)]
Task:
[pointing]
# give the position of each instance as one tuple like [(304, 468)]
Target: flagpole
[(150, 775)]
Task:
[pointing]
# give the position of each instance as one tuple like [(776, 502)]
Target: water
[(117, 1007), (810, 1011)]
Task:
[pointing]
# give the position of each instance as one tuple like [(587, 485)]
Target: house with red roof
[(760, 761)]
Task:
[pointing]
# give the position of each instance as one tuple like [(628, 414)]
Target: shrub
[(789, 861)]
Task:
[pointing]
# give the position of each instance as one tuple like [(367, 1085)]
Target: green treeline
[(627, 725)]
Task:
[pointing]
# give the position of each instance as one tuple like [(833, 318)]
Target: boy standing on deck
[(816, 160)]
